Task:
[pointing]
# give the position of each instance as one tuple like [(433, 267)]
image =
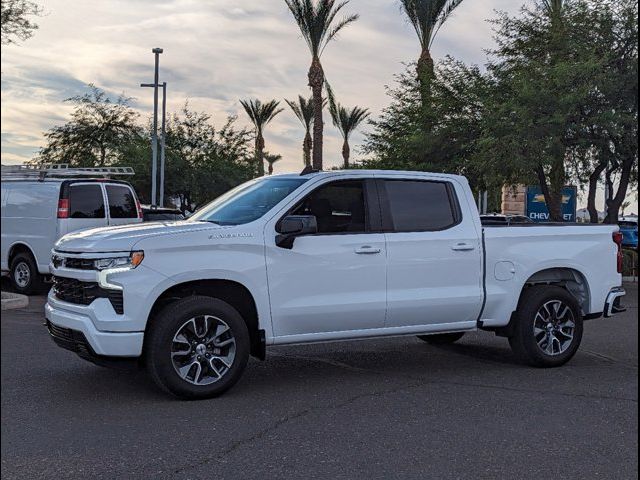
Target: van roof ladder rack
[(45, 170)]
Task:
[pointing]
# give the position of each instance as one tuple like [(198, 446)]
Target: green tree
[(94, 136), (318, 26), (261, 115), (426, 17), (16, 20), (346, 121), (303, 110)]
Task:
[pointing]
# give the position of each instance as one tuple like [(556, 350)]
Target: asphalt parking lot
[(393, 408)]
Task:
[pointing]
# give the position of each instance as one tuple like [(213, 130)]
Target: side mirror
[(294, 226)]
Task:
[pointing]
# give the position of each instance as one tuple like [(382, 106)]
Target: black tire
[(159, 341), (25, 278), (524, 341), (442, 338)]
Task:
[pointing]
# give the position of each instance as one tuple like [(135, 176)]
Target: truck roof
[(366, 173)]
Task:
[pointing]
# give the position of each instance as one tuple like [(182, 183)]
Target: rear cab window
[(419, 205), (86, 201)]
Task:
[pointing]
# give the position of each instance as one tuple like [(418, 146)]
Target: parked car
[(40, 206), (629, 230), (160, 214), (322, 257)]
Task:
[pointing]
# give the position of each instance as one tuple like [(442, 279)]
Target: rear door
[(85, 207), (434, 254), (122, 203)]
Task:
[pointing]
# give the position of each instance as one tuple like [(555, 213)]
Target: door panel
[(323, 285), (433, 276)]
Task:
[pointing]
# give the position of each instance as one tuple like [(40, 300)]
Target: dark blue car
[(629, 232)]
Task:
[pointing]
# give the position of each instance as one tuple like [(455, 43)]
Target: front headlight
[(131, 261)]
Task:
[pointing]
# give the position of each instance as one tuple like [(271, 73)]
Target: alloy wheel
[(553, 327), (203, 350)]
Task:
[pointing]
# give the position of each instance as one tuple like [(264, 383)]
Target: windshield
[(247, 202)]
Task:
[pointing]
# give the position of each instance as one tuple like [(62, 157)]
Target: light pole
[(163, 135), (154, 134)]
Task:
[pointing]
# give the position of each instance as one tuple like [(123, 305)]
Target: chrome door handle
[(367, 250), (462, 247)]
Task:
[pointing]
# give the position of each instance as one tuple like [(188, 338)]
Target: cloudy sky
[(215, 52)]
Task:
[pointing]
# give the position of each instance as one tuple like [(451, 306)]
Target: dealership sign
[(537, 206)]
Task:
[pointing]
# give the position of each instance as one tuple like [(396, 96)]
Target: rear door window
[(122, 202), (419, 206), (86, 201)]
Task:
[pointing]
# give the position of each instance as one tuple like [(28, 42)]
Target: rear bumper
[(613, 303)]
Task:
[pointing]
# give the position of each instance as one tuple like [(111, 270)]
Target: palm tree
[(427, 16), (316, 18), (303, 109), (271, 158), (260, 114), (347, 121)]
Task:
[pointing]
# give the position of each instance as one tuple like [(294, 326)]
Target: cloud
[(215, 53)]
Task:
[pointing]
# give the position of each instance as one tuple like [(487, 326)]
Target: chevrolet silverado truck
[(321, 257)]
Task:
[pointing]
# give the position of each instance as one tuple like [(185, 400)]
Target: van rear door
[(81, 206), (123, 204)]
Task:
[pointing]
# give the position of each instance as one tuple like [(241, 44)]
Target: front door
[(333, 281), (435, 266)]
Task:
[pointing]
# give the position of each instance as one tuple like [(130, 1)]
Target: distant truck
[(40, 205), (321, 257)]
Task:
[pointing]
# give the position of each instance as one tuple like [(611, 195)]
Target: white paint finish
[(322, 290), (323, 285), (30, 218)]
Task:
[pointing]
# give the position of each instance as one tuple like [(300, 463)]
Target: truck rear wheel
[(442, 338), (24, 274), (197, 347), (548, 327)]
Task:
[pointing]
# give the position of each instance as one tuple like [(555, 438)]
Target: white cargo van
[(41, 205)]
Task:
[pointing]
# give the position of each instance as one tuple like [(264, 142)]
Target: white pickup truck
[(321, 257)]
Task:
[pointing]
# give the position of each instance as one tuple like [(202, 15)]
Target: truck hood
[(123, 238)]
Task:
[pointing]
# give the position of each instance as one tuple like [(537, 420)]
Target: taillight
[(617, 239), (63, 208)]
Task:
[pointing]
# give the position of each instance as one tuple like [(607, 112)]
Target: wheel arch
[(17, 248), (568, 278), (234, 293)]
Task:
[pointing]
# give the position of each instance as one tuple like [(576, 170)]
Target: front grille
[(79, 263), (84, 293), (69, 339)]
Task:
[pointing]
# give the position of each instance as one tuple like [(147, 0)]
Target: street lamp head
[(156, 50)]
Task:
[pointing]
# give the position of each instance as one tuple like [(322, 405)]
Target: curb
[(11, 301)]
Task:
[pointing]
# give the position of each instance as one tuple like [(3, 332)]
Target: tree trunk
[(552, 198), (613, 205), (316, 80), (426, 71), (346, 152), (260, 154), (270, 168), (307, 145), (594, 179)]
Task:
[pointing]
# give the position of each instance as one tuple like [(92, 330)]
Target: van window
[(122, 203), (418, 206), (86, 201)]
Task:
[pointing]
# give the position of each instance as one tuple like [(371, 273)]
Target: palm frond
[(303, 109), (261, 113), (347, 120), (315, 18), (427, 16)]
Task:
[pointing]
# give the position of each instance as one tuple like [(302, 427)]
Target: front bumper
[(103, 343), (613, 303)]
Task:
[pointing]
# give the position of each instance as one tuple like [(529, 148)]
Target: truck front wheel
[(548, 327), (197, 347)]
